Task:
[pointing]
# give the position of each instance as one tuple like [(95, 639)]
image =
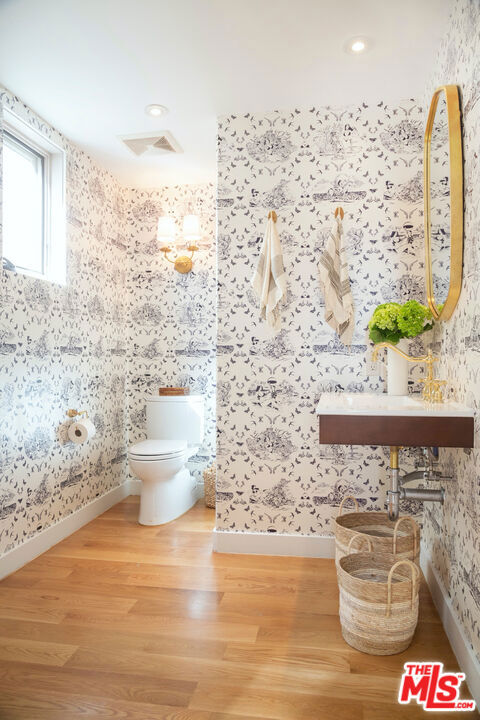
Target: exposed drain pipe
[(423, 494), (397, 492)]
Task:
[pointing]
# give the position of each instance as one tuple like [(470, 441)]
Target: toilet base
[(164, 500)]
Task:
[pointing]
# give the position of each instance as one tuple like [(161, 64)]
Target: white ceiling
[(89, 67)]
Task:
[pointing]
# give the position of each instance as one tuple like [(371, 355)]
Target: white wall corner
[(44, 540), (273, 544), (458, 640)]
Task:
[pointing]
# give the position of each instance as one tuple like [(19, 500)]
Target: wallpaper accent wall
[(124, 324), (61, 347), (171, 335), (452, 533), (273, 475)]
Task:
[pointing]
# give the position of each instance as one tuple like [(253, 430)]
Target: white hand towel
[(335, 283), (269, 281)]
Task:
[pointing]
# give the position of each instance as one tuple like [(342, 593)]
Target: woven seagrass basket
[(209, 477), (378, 602), (400, 538)]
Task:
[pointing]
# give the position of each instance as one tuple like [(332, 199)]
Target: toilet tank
[(176, 418)]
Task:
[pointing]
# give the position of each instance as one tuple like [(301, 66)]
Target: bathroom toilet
[(175, 426)]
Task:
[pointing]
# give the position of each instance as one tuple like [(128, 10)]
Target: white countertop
[(383, 404)]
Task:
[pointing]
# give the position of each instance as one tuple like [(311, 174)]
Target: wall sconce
[(191, 234)]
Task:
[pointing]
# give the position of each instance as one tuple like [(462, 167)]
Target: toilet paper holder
[(76, 413)]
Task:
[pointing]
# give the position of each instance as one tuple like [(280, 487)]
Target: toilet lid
[(156, 449)]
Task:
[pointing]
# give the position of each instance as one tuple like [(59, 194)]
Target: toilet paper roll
[(80, 432)]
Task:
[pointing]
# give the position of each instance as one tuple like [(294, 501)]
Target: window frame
[(53, 196), (15, 139)]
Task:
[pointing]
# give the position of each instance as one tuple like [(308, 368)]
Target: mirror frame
[(456, 201)]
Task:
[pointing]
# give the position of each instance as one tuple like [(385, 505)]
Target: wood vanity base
[(394, 430)]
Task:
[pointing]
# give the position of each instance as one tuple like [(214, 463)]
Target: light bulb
[(156, 110), (357, 45)]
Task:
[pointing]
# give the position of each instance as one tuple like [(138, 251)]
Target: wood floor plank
[(19, 650), (172, 601), (62, 600), (266, 703), (131, 623), (309, 602), (165, 625), (48, 705), (127, 641), (113, 686), (285, 655)]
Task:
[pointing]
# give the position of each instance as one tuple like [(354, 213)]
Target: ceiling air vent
[(162, 143)]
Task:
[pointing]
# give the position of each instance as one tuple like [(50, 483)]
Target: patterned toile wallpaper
[(61, 347), (95, 342), (273, 475), (452, 533), (171, 324), (124, 323)]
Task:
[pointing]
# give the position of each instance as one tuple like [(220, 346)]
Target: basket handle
[(413, 524), (414, 569), (362, 537), (348, 497)]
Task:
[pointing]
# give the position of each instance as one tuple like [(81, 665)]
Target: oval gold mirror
[(443, 195)]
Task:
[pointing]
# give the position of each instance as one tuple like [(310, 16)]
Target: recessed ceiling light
[(156, 110), (357, 45)]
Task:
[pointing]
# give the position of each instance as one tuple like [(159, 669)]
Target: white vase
[(397, 370)]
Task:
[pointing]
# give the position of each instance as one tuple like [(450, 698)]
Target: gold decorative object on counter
[(432, 388)]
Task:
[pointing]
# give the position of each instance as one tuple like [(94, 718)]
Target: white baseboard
[(455, 633), (273, 544), (44, 540)]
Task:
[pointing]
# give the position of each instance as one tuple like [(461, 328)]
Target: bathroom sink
[(381, 419)]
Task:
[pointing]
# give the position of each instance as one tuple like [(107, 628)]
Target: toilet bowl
[(174, 432)]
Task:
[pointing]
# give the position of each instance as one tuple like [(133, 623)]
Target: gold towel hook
[(272, 214), (339, 211)]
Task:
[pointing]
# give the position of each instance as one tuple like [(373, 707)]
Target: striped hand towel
[(335, 283), (269, 281)]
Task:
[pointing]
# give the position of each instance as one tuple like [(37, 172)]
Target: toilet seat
[(157, 450)]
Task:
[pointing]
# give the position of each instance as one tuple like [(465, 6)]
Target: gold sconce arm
[(432, 391), (165, 249), (182, 263)]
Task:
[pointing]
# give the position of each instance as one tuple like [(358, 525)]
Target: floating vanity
[(381, 419), (397, 421)]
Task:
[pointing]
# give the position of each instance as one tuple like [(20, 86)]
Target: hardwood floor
[(126, 622)]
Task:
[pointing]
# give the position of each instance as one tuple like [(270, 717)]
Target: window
[(33, 207)]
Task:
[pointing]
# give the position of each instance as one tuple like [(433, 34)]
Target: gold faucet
[(432, 388)]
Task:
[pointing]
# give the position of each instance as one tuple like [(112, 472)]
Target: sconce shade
[(191, 228), (166, 229)]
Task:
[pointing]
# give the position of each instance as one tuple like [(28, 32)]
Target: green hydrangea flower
[(385, 316), (391, 321), (411, 318)]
